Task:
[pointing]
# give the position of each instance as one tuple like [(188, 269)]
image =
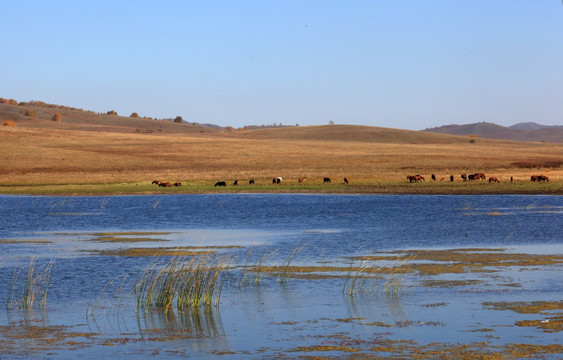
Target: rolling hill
[(519, 132)]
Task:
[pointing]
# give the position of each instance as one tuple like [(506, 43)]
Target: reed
[(255, 266), (285, 268), (182, 282), (30, 290), (361, 278)]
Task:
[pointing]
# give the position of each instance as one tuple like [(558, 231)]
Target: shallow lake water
[(90, 311)]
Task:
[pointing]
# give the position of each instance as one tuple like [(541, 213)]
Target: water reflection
[(200, 322)]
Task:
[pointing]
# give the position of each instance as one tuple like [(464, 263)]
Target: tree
[(112, 112), (134, 115), (178, 119)]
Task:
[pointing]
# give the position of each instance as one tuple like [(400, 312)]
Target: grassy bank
[(359, 187)]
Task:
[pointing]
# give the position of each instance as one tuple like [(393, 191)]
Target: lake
[(468, 262)]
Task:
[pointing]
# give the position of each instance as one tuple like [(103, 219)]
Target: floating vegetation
[(468, 260), (116, 239), (450, 283), (161, 251), (31, 290), (9, 241), (552, 310)]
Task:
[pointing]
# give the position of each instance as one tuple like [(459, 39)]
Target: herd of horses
[(410, 178), (276, 180), (472, 177)]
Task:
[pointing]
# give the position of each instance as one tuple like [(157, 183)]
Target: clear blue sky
[(400, 64)]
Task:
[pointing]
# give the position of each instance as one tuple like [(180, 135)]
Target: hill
[(519, 132)]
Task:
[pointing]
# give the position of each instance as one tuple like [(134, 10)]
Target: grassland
[(90, 153)]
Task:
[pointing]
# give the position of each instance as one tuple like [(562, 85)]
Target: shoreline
[(383, 188)]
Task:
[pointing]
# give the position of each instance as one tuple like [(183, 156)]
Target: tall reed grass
[(183, 282), (368, 277), (31, 290)]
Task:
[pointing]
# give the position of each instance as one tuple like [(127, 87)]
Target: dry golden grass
[(102, 149)]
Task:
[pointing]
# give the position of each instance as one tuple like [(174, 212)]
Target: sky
[(398, 64)]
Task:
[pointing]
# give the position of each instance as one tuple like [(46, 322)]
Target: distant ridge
[(528, 131)]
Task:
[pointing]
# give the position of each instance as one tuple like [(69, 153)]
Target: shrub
[(10, 123), (134, 115), (57, 117), (112, 112), (178, 119), (30, 113)]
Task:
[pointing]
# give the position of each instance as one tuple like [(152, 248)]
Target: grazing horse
[(479, 176), (326, 180), (220, 183), (415, 178), (543, 178), (345, 180), (301, 180), (251, 182), (471, 177), (494, 179), (433, 177), (165, 184), (156, 182), (442, 179), (273, 180), (235, 183), (534, 177), (451, 178), (178, 184), (464, 177), (279, 180)]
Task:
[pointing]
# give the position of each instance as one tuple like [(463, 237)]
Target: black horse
[(220, 183)]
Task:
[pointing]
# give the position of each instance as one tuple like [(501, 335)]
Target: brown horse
[(346, 180), (165, 184), (494, 179), (178, 184), (543, 178), (415, 178)]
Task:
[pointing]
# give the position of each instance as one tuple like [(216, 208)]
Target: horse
[(156, 182), (178, 184), (479, 176), (471, 177), (165, 184), (415, 178), (451, 178), (220, 183), (433, 177), (279, 180), (543, 178), (534, 178), (326, 180), (494, 179), (301, 180), (464, 177), (345, 180), (235, 183), (251, 182)]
